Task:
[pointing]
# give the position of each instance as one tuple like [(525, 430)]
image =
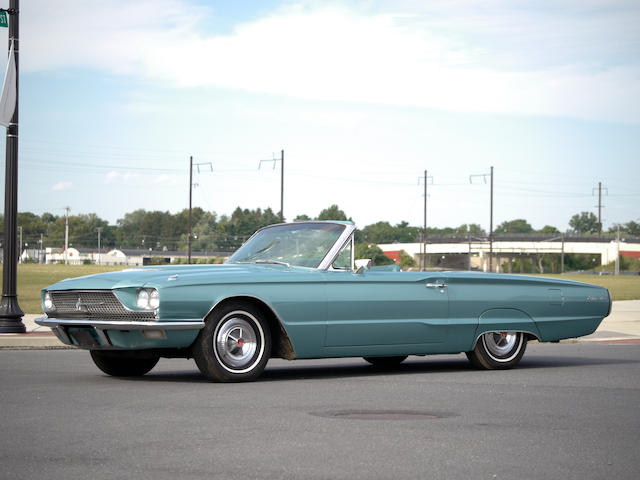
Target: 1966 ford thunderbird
[(291, 291)]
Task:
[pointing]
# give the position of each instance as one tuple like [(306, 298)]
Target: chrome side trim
[(114, 325)]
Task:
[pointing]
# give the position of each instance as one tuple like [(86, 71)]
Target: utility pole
[(281, 160), (190, 197), (191, 186), (40, 250), (491, 225), (10, 312), (99, 230), (423, 246), (599, 208), (599, 204), (282, 186), (66, 235), (424, 231), (484, 177)]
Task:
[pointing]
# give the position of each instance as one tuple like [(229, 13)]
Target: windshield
[(302, 245)]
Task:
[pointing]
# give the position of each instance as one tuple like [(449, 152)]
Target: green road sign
[(3, 19)]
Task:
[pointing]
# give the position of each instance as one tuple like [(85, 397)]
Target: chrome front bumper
[(151, 329)]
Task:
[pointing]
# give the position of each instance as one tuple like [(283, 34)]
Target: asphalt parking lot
[(569, 411)]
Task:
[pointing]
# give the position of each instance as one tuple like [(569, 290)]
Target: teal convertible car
[(291, 292)]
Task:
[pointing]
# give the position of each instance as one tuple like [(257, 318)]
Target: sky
[(362, 96)]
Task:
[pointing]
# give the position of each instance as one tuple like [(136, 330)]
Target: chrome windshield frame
[(335, 249), (340, 243)]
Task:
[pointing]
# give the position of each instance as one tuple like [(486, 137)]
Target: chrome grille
[(94, 304)]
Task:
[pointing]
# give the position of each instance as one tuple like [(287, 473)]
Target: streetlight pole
[(10, 312)]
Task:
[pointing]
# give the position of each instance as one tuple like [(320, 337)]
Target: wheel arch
[(281, 342), (506, 319)]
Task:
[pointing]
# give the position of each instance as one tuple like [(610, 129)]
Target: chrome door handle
[(436, 285)]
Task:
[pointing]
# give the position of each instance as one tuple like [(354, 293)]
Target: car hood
[(162, 276)]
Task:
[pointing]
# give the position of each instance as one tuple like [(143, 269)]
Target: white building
[(124, 257), (476, 253)]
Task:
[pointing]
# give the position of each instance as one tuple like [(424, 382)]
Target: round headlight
[(48, 302), (154, 299), (142, 300)]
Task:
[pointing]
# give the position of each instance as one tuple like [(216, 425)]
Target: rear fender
[(506, 319)]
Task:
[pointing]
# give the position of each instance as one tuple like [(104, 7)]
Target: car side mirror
[(364, 262)]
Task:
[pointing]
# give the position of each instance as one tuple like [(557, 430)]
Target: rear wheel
[(386, 362), (498, 350), (123, 364), (234, 345)]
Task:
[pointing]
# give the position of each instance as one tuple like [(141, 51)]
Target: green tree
[(632, 228), (437, 232), (407, 234), (584, 223), (369, 250), (549, 229), (380, 232), (519, 225), (406, 260), (383, 232), (332, 213), (233, 231), (302, 218), (473, 229), (82, 231), (204, 234), (142, 229)]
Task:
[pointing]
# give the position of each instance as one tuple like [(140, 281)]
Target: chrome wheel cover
[(502, 346), (238, 342)]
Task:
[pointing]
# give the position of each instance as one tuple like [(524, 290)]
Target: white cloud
[(118, 177), (163, 180), (475, 63), (62, 186)]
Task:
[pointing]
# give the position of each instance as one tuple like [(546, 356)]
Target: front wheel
[(498, 350), (123, 364), (234, 345)]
